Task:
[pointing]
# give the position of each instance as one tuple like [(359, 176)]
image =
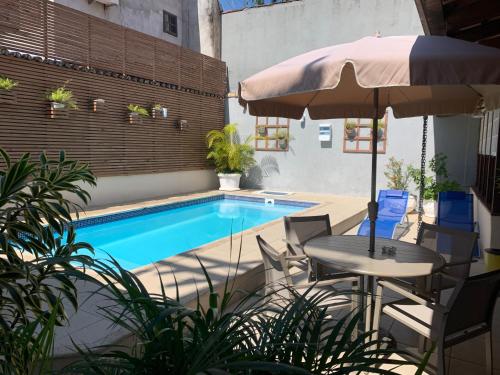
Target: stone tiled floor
[(345, 212)]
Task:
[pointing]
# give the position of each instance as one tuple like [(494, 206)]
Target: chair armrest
[(460, 263), (421, 301), (328, 282), (295, 257)]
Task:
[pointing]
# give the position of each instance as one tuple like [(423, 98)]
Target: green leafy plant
[(397, 177), (64, 96), (350, 125), (7, 84), (141, 111), (157, 106), (437, 180), (226, 151), (38, 251), (267, 334)]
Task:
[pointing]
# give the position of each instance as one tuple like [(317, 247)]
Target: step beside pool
[(139, 237)]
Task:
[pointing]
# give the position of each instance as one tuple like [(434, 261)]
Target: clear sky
[(236, 4)]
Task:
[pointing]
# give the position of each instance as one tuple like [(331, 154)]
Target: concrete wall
[(125, 189), (198, 20), (254, 39), (488, 226)]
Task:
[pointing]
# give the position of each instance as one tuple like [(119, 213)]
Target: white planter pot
[(430, 209), (56, 105), (229, 182), (412, 203)]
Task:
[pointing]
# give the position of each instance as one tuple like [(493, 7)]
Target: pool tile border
[(107, 218)]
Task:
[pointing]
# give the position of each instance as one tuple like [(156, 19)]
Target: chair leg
[(440, 359), (355, 306), (377, 312), (489, 353)]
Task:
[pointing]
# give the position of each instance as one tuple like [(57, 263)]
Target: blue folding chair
[(392, 205), (456, 210)]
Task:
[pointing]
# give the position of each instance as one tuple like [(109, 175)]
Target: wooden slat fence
[(54, 31), (196, 85)]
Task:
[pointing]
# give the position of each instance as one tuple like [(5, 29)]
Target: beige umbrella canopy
[(414, 75)]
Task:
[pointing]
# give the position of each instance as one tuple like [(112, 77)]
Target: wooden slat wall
[(105, 139), (54, 31)]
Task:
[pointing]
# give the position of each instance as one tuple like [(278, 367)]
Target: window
[(358, 135), (487, 186), (169, 23)]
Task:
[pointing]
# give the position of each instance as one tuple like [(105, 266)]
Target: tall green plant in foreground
[(36, 266), (257, 335), (226, 151)]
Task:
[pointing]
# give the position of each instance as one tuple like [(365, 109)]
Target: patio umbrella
[(414, 75)]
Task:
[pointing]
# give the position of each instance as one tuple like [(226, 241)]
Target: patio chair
[(456, 210), (279, 279), (299, 230), (392, 205), (456, 245), (468, 313)]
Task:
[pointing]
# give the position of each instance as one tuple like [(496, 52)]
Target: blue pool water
[(140, 240)]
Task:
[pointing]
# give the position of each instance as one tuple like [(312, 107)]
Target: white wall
[(489, 226), (198, 21), (256, 38), (125, 189)]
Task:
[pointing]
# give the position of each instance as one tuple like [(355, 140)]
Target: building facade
[(254, 39), (194, 24)]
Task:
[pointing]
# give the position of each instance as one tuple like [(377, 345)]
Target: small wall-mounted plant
[(283, 138), (61, 100), (7, 96), (159, 111), (98, 105), (350, 129), (381, 127), (136, 113), (262, 131)]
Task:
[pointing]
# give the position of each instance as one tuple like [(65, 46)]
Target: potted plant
[(283, 137), (159, 111), (230, 157), (61, 99), (380, 129), (6, 86), (136, 113), (398, 178), (262, 130), (434, 183), (350, 129)]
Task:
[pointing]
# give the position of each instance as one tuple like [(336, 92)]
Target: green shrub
[(7, 84), (63, 96), (141, 111), (437, 180), (397, 177), (226, 151)]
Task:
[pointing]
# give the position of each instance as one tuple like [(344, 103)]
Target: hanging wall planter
[(7, 95), (262, 131), (350, 130), (158, 112), (98, 105), (136, 113), (61, 101)]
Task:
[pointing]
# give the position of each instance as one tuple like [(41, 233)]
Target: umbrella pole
[(373, 205)]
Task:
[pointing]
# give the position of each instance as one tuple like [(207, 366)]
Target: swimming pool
[(139, 237)]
